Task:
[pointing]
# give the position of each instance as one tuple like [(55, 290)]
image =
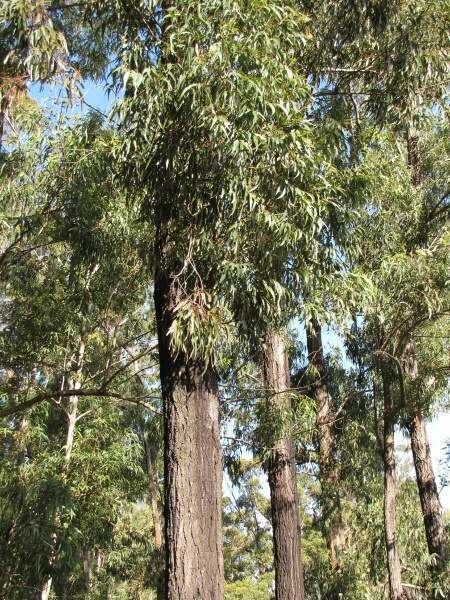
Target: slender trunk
[(426, 483), (71, 422), (328, 468), (71, 414), (45, 593), (282, 477), (92, 563), (412, 147), (192, 463), (72, 409), (153, 493), (390, 489)]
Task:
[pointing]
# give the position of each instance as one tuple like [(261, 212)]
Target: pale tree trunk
[(282, 476), (45, 593), (390, 492), (328, 468), (192, 463), (426, 482), (74, 383), (153, 493), (92, 563)]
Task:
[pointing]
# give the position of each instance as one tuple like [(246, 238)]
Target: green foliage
[(249, 589), (248, 163), (247, 539), (217, 135), (392, 53)]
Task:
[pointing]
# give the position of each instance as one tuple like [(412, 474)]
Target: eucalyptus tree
[(215, 136), (409, 294), (73, 327), (282, 470), (292, 257), (216, 156), (424, 301), (429, 176), (388, 59), (276, 424)]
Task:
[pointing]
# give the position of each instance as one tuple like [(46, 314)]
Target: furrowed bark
[(390, 491), (282, 477), (192, 454), (426, 483), (328, 468), (192, 464)]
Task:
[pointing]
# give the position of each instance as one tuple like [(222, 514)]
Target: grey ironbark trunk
[(426, 484), (430, 503), (328, 468), (192, 464), (282, 476)]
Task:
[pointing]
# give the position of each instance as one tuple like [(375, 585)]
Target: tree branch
[(99, 393)]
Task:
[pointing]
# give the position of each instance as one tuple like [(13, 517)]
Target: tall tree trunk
[(282, 476), (328, 468), (426, 483), (390, 491), (192, 463), (74, 383), (153, 493)]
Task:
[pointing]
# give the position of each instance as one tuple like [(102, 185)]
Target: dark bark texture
[(390, 492), (192, 463), (282, 477), (328, 467), (412, 147), (426, 483)]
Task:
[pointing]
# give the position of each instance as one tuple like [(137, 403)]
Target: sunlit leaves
[(216, 137)]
